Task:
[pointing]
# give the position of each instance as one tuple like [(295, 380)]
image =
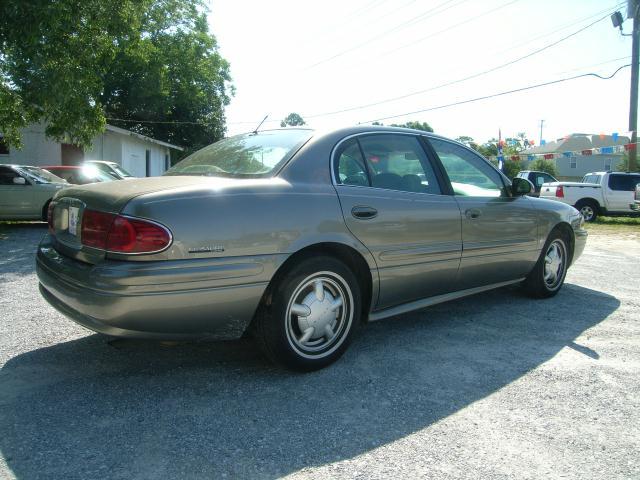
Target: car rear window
[(252, 155), (591, 179)]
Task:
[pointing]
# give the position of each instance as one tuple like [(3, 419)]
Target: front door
[(392, 202), (499, 232), (16, 201)]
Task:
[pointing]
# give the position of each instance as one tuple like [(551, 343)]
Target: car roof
[(62, 167)]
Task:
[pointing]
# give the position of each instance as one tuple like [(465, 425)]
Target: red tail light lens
[(119, 234), (95, 228), (560, 191), (128, 235)]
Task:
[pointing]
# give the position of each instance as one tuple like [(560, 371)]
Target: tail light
[(120, 234), (50, 217), (560, 191)]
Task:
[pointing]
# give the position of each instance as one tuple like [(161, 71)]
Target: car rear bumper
[(213, 298)]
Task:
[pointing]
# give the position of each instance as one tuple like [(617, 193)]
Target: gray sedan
[(299, 238)]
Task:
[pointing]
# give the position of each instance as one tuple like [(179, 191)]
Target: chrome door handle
[(473, 213), (364, 212)]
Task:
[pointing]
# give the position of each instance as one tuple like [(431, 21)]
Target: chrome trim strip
[(427, 302)]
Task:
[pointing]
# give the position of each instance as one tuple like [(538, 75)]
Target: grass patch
[(618, 225)]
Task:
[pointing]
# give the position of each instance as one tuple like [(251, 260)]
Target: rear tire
[(589, 210), (313, 314), (547, 277)]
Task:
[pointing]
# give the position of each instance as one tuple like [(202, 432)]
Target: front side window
[(38, 175), (253, 155), (7, 175), (398, 162), (470, 175)]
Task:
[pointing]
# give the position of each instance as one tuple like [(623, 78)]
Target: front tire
[(547, 277), (313, 314)]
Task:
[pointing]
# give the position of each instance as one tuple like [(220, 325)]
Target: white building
[(141, 156)]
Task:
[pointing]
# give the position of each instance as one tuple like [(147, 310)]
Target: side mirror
[(521, 186), (19, 181)]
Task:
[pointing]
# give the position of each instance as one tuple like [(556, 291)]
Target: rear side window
[(350, 165), (625, 183), (398, 162)]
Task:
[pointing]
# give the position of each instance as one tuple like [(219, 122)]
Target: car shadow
[(95, 407)]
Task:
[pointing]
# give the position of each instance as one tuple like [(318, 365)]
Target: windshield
[(249, 155), (119, 170), (591, 179), (38, 175)]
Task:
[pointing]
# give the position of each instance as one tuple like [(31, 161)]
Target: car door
[(499, 232), (619, 191), (393, 202), (16, 200)]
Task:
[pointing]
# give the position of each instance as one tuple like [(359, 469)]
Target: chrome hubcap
[(319, 314), (554, 261), (587, 212)]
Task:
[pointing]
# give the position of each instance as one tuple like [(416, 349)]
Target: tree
[(415, 125), (75, 63), (623, 165), (542, 165), (292, 120)]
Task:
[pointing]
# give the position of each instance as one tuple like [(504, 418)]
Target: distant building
[(580, 153), (140, 155)]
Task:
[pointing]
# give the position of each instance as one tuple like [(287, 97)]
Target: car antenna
[(255, 132)]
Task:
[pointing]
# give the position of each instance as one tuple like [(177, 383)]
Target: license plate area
[(73, 215), (68, 222)]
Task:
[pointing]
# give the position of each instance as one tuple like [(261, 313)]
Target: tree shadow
[(18, 242), (97, 408)]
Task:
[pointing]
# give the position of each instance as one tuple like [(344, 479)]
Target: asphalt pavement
[(492, 386)]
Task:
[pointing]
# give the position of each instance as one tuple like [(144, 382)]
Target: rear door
[(619, 191), (393, 202), (499, 232)]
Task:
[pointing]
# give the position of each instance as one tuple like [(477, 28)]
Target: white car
[(599, 193), (25, 192)]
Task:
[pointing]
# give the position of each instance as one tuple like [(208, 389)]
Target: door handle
[(364, 212), (473, 213)]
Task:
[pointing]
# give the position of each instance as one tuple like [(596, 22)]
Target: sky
[(318, 57)]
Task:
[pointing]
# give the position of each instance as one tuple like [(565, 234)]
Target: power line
[(464, 79), (508, 92), (421, 17), (450, 27)]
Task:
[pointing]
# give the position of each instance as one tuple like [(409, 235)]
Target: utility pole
[(633, 12), (541, 124)]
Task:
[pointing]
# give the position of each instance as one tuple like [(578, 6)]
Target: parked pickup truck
[(599, 193), (537, 178), (635, 206)]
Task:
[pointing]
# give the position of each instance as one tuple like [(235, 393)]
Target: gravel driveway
[(492, 386)]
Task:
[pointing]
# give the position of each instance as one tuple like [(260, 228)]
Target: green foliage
[(542, 165), (292, 120), (511, 168), (73, 63), (415, 125), (623, 165)]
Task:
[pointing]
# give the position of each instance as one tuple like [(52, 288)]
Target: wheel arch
[(351, 257), (566, 231), (589, 200)]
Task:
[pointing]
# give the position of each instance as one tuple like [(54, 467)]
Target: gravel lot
[(493, 386)]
